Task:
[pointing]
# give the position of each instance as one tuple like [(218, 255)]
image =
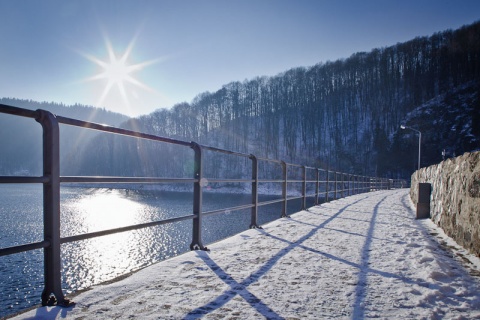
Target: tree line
[(342, 114)]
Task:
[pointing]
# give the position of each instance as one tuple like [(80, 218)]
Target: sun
[(117, 72)]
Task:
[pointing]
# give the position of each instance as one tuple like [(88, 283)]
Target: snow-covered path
[(364, 256)]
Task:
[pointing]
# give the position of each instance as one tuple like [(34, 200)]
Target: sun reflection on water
[(99, 259), (108, 209)]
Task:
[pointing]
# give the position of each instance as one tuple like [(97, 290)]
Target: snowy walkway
[(364, 256)]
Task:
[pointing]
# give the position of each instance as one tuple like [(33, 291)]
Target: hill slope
[(21, 138), (344, 114)]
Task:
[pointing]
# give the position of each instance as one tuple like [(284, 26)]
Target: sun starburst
[(118, 72)]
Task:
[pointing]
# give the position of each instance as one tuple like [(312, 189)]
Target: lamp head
[(402, 126)]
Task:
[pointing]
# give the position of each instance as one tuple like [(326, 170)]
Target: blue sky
[(53, 50)]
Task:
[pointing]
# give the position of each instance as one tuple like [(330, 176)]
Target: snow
[(365, 256)]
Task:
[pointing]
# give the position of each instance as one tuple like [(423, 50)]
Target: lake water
[(89, 262)]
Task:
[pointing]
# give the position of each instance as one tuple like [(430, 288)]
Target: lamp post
[(419, 141)]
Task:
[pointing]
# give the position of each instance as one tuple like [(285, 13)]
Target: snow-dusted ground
[(364, 256)]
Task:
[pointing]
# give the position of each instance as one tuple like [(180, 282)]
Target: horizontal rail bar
[(24, 247), (213, 212), (23, 179), (18, 111), (294, 165), (269, 160), (106, 179), (264, 203), (294, 198), (245, 155), (107, 128), (230, 180), (309, 195), (295, 181), (123, 229)]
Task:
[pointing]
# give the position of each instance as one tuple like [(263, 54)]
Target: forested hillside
[(344, 114), (21, 138)]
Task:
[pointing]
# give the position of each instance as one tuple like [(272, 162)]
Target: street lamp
[(419, 141)]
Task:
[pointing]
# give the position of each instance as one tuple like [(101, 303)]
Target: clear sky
[(140, 55)]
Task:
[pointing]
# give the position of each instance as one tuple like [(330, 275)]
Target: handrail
[(341, 184)]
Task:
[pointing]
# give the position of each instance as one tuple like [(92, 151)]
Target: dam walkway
[(363, 256)]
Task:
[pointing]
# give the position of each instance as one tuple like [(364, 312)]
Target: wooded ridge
[(344, 114)]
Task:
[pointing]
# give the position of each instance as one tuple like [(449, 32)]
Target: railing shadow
[(241, 288), (360, 291), (363, 266), (236, 288)]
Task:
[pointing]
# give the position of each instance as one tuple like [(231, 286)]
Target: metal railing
[(335, 185)]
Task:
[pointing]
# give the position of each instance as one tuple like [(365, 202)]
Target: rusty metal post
[(317, 184), (284, 189), (254, 211), (52, 292), (197, 198)]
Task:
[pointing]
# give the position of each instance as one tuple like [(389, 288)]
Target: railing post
[(346, 184), (254, 211), (317, 184), (284, 189), (52, 292), (342, 193), (335, 186), (304, 188), (349, 186), (197, 198), (349, 190), (355, 185), (327, 186)]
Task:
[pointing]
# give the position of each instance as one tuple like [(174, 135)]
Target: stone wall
[(455, 198)]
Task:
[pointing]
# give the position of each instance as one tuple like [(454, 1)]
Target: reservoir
[(89, 262)]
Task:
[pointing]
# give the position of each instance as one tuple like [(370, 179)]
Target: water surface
[(93, 261)]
